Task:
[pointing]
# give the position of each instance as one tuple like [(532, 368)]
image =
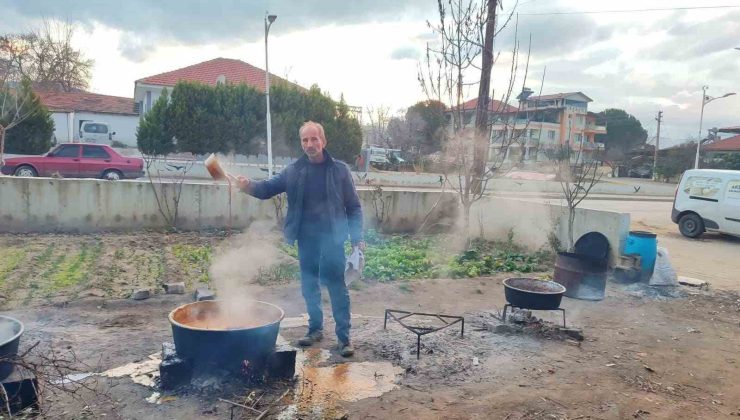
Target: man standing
[(323, 210)]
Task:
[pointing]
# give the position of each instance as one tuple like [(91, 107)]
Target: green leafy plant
[(398, 258), (196, 260), (9, 260), (278, 273), (76, 270)]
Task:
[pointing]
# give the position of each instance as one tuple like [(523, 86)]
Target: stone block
[(141, 294), (203, 294), (573, 333), (174, 371), (175, 288), (281, 364)]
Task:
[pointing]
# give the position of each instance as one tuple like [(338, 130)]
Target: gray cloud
[(135, 49), (701, 39), (406, 53), (197, 21), (555, 35)]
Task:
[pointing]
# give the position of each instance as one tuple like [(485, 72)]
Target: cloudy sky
[(642, 61)]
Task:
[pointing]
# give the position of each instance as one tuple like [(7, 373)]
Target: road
[(712, 257)]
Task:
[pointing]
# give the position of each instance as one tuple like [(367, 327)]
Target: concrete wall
[(73, 205), (61, 126), (531, 223)]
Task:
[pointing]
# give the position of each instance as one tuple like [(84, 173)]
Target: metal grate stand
[(508, 305), (399, 316)]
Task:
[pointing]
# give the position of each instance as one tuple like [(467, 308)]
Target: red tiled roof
[(86, 101), (493, 106), (731, 144), (208, 72)]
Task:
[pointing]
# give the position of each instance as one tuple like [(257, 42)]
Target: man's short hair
[(315, 125)]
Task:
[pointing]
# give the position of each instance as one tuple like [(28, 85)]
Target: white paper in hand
[(353, 266)]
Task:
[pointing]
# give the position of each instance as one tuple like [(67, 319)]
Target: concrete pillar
[(70, 126)]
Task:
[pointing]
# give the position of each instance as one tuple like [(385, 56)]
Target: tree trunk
[(480, 153), (466, 215), (2, 145), (571, 222)]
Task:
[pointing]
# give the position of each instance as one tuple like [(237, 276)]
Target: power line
[(662, 9)]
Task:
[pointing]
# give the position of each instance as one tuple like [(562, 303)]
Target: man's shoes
[(346, 350), (310, 338)]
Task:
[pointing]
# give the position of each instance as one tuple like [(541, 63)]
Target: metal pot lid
[(593, 245)]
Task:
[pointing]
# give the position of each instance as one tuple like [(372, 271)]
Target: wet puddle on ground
[(321, 389)]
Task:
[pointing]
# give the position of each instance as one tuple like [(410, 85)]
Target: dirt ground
[(647, 353), (56, 269), (644, 355)]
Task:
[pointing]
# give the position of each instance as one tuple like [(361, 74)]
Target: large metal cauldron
[(212, 333), (533, 294), (10, 337)]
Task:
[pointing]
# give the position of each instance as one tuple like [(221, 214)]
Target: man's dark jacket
[(343, 204)]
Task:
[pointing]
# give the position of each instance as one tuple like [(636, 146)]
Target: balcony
[(592, 128)]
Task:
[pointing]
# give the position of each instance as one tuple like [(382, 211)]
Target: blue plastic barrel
[(645, 244)]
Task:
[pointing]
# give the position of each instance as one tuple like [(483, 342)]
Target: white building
[(212, 72), (70, 109)]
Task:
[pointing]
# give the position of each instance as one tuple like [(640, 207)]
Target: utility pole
[(482, 134), (659, 119), (269, 19)]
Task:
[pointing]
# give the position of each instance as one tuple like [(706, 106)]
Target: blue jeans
[(322, 261)]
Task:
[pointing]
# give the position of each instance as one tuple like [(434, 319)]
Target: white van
[(96, 132), (707, 199)]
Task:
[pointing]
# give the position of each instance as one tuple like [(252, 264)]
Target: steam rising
[(235, 267)]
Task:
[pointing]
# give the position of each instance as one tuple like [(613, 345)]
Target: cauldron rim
[(506, 284), (171, 316), (18, 334)]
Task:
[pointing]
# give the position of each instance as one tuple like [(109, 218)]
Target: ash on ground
[(449, 358), (444, 354), (643, 290), (522, 321)]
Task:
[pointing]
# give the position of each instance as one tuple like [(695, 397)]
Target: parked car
[(707, 199), (77, 160), (96, 132), (644, 171)]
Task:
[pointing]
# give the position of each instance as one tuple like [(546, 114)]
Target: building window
[(579, 137), (551, 134)]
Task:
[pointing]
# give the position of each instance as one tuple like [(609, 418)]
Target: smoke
[(236, 265), (527, 222)]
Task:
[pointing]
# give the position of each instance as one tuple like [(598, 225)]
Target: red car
[(77, 160)]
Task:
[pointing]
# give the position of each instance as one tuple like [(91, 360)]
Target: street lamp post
[(705, 99), (268, 22)]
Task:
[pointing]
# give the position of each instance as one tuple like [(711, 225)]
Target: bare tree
[(406, 132), (168, 193), (577, 178), (378, 130), (467, 30), (46, 57)]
